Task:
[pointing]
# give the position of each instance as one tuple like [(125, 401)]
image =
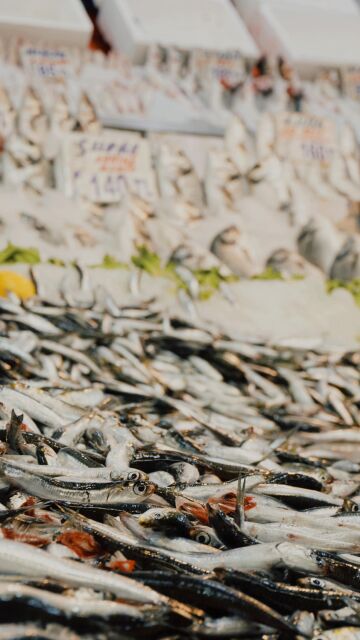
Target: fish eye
[(202, 537), (355, 508), (140, 488), (157, 515), (316, 582), (134, 475)]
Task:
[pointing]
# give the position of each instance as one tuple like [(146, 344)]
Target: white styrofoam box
[(342, 6), (64, 23), (132, 25), (310, 34)]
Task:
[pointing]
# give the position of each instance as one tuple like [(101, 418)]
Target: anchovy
[(287, 597), (17, 557), (215, 596), (57, 605), (36, 410), (78, 492)]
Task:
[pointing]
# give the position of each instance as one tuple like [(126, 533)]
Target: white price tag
[(47, 63), (103, 168), (225, 66), (302, 137)]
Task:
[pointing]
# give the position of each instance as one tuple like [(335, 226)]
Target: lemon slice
[(12, 282)]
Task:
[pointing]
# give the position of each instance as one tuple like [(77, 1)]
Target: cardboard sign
[(303, 137), (47, 63), (104, 168)]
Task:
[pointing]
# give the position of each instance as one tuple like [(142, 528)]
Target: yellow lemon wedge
[(12, 282)]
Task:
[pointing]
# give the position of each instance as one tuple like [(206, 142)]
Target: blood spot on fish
[(125, 566), (24, 427), (29, 502), (46, 517), (82, 543), (227, 502), (249, 503), (35, 541), (197, 510), (292, 536)]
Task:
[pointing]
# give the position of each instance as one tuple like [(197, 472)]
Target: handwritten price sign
[(48, 64), (305, 137), (225, 66), (104, 168)]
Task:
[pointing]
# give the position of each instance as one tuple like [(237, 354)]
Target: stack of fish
[(158, 478)]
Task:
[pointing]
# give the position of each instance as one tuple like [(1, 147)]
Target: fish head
[(230, 235), (164, 518), (205, 535), (127, 491), (142, 490), (129, 475), (324, 476), (349, 506), (297, 557), (181, 253), (153, 516), (313, 582)]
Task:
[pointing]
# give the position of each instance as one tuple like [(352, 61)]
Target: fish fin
[(13, 431), (240, 502)]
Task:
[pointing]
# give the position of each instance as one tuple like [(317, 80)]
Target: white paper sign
[(47, 63), (104, 168), (225, 66), (306, 137)]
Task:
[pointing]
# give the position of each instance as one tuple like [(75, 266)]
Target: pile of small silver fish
[(161, 480)]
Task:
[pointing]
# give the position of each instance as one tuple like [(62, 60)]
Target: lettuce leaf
[(13, 255)]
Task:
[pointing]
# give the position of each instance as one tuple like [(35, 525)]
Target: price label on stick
[(104, 168), (302, 137)]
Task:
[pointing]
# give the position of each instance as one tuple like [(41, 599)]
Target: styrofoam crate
[(310, 34), (132, 25), (64, 23), (342, 6)]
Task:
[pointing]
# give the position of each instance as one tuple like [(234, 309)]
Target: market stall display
[(180, 323)]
